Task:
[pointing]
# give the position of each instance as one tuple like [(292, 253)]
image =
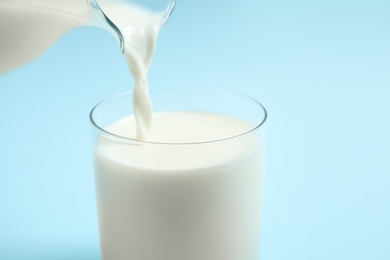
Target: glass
[(179, 201)]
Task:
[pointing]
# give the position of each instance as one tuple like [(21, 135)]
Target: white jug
[(29, 27)]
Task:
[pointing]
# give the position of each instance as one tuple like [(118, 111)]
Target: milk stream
[(139, 28), (28, 28)]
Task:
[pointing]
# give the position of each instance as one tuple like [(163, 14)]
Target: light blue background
[(321, 68)]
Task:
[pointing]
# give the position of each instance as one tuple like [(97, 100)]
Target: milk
[(160, 201)]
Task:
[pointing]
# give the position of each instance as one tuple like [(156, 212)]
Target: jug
[(29, 27)]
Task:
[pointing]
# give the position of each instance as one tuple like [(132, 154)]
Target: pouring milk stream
[(29, 27), (179, 201)]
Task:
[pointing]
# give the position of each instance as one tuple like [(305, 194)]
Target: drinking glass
[(179, 201)]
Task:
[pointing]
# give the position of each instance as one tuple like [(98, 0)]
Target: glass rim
[(142, 142)]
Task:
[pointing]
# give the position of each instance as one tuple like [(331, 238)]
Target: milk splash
[(140, 29)]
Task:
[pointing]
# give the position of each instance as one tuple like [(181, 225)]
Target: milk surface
[(180, 201)]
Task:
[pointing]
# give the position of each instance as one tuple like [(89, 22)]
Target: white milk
[(175, 202)]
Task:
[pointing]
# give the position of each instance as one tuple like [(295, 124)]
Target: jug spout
[(29, 27), (103, 11), (101, 20)]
